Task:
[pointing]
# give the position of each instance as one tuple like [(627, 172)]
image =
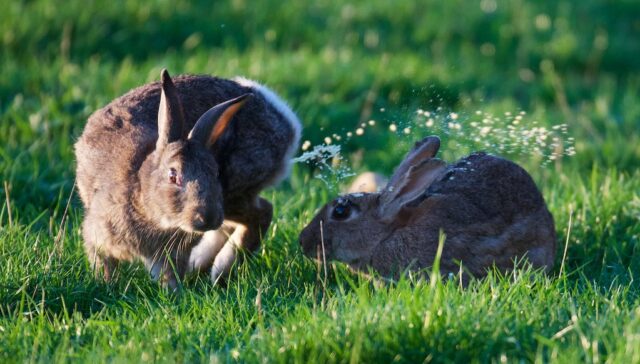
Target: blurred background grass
[(338, 64)]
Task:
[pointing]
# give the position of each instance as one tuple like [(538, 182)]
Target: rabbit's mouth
[(315, 248), (316, 251), (353, 258)]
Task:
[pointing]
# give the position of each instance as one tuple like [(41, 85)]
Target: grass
[(338, 65)]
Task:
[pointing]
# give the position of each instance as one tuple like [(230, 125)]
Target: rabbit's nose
[(198, 222), (205, 221)]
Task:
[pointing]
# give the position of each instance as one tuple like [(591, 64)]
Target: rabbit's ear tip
[(430, 139), (164, 76), (432, 143)]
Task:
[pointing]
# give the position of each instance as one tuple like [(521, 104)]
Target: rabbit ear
[(412, 178), (212, 123), (422, 150), (414, 182), (170, 114)]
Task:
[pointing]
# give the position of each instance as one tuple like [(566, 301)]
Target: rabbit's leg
[(168, 268), (96, 244), (103, 266), (162, 270), (251, 222), (204, 253), (109, 265), (227, 256), (172, 274), (154, 267)]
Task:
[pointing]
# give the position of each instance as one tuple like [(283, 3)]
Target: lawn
[(569, 64)]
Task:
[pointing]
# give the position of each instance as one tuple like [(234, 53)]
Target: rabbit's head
[(179, 180), (350, 227)]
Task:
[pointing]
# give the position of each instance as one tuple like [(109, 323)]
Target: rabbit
[(489, 209), (178, 164)]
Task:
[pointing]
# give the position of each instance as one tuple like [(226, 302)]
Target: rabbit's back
[(113, 145), (495, 186), (491, 212), (494, 213)]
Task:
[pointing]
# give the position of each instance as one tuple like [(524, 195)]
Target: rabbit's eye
[(173, 177), (341, 210)]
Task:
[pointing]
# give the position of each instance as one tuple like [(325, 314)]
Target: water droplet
[(306, 145)]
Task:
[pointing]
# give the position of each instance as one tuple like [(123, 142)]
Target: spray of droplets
[(509, 134), (328, 160)]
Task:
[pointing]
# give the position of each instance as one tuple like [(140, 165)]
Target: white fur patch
[(284, 109), (224, 260), (203, 254)]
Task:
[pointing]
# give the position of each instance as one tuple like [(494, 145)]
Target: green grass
[(338, 65)]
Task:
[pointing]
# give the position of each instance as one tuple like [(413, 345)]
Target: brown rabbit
[(161, 167), (488, 207)]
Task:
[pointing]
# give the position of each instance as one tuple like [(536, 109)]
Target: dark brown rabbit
[(161, 167), (489, 208)]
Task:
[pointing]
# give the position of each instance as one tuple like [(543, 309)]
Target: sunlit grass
[(370, 78)]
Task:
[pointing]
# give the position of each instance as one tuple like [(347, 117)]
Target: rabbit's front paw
[(223, 262), (203, 254)]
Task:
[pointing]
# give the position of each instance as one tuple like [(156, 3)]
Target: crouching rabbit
[(489, 208), (178, 164)]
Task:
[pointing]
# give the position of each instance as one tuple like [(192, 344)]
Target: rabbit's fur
[(168, 161), (489, 208)]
